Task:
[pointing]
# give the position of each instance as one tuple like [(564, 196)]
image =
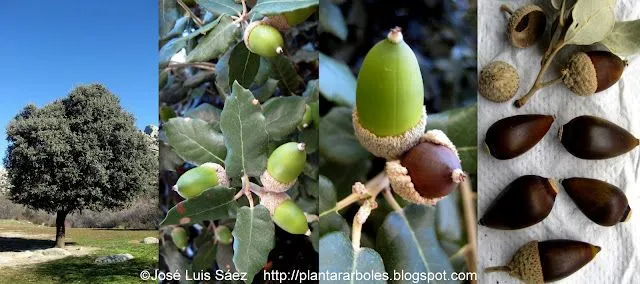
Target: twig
[(202, 65), (191, 14), (374, 187), (537, 85), (246, 188), (470, 224)]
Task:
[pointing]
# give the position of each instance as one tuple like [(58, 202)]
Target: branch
[(374, 187)]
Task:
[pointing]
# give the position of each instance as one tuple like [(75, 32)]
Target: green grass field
[(82, 269)]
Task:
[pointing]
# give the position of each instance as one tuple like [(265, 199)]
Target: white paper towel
[(619, 260)]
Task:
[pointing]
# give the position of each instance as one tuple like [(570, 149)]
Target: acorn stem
[(391, 200), (395, 35), (246, 189), (497, 269), (537, 85), (360, 218), (505, 8), (374, 186)]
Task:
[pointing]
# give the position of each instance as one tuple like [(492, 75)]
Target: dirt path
[(19, 249)]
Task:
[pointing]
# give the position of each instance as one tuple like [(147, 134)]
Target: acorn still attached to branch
[(195, 181), (390, 119)]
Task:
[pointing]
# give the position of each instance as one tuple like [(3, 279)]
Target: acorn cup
[(389, 117), (285, 212), (195, 181), (603, 203), (591, 72), (283, 167), (524, 202), (498, 82), (263, 39), (594, 138), (546, 261), (428, 172), (526, 25), (513, 136)]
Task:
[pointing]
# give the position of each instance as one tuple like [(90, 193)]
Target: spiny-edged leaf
[(265, 91), (332, 21), (169, 49), (195, 140), (243, 65), (407, 241), (215, 42), (338, 256), (593, 20), (168, 14), (212, 204), (245, 134), (229, 7), (312, 92), (271, 7), (206, 255), (338, 142), (338, 83), (460, 126), (285, 72), (624, 39), (283, 115), (254, 237)]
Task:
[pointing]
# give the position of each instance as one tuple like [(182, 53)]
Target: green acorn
[(223, 235), (289, 19), (389, 117), (180, 237), (194, 181), (283, 167), (285, 213), (263, 39), (307, 118)]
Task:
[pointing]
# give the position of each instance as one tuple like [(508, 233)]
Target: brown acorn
[(603, 203), (427, 172), (593, 138), (590, 72), (526, 25), (523, 203), (512, 136), (546, 261)]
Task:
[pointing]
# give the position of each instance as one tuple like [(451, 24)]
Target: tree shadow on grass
[(84, 270), (21, 244)]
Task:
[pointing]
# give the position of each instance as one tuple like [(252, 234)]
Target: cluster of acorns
[(529, 199), (283, 168), (390, 119)]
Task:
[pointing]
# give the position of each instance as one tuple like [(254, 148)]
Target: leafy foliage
[(233, 107)]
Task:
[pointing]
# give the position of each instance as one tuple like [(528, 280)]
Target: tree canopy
[(79, 152)]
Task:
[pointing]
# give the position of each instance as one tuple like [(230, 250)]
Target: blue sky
[(48, 47)]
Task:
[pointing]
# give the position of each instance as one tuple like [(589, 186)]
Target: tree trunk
[(60, 217)]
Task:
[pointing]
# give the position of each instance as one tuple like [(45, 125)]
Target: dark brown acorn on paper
[(603, 203), (523, 203), (513, 136), (591, 72), (594, 138), (546, 261)]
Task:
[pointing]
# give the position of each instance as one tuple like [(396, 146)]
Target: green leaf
[(206, 112), (222, 77), (169, 49), (338, 142), (449, 220), (338, 256), (283, 115), (206, 255), (460, 125), (312, 92), (272, 7), (215, 42), (265, 91), (228, 7), (338, 84), (333, 222), (309, 136), (407, 241), (344, 176), (169, 160), (315, 236), (593, 20), (284, 71), (244, 128), (212, 204), (168, 14), (195, 140), (243, 65), (624, 39), (328, 197), (331, 20), (263, 72), (254, 237)]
